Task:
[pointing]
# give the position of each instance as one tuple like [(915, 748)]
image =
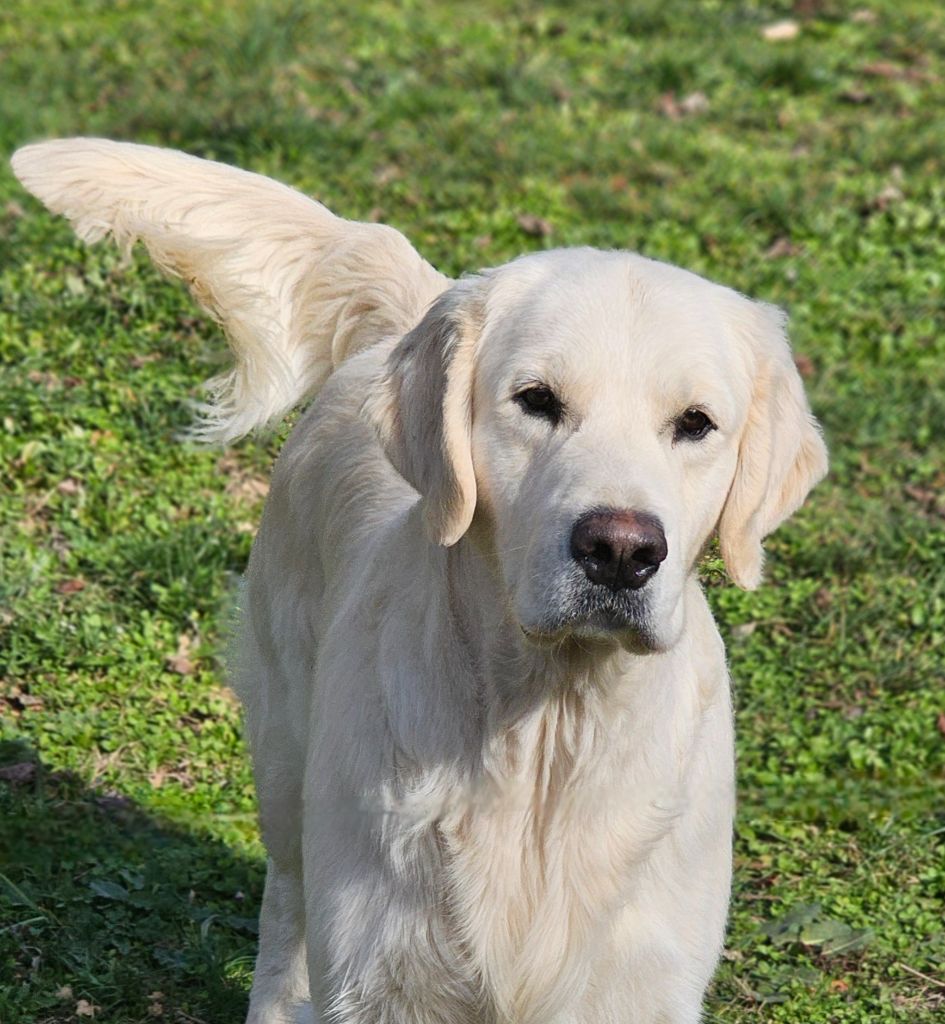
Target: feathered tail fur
[(295, 288)]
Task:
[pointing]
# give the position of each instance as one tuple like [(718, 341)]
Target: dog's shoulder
[(334, 496)]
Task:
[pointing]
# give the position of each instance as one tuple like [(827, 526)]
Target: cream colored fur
[(481, 805), (296, 288)]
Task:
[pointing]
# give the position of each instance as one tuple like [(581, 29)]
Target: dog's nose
[(620, 550)]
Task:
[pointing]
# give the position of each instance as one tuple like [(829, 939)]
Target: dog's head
[(597, 415)]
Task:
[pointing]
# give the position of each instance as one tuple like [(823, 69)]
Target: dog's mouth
[(597, 614)]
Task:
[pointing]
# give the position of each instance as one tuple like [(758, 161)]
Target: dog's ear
[(781, 454), (423, 412)]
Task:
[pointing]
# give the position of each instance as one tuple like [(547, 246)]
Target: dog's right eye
[(540, 400)]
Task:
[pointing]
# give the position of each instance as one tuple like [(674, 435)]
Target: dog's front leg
[(280, 982)]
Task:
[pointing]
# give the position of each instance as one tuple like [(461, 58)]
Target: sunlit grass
[(807, 172)]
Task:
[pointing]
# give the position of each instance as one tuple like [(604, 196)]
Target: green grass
[(811, 177)]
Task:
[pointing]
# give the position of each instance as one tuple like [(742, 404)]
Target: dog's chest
[(543, 858)]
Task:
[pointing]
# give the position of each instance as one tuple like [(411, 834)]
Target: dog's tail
[(295, 288)]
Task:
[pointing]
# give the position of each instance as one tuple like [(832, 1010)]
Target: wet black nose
[(620, 550)]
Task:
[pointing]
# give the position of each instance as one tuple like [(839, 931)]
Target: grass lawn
[(807, 171)]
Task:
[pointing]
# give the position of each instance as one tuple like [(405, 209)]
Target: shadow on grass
[(102, 903)]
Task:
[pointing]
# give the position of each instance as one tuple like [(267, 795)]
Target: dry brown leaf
[(533, 225), (561, 92), (83, 1008), (781, 31), (251, 488), (27, 701), (242, 484), (72, 586), (386, 174), (781, 247), (668, 106), (805, 365), (136, 362), (694, 103), (856, 95), (923, 495), (889, 195), (180, 662), (883, 69), (47, 379)]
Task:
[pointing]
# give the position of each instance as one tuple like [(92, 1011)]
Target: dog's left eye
[(693, 425), (540, 400)]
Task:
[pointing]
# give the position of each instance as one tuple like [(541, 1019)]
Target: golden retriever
[(488, 706)]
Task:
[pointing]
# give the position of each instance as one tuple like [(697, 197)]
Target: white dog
[(488, 707)]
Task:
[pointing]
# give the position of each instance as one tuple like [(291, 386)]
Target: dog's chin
[(589, 616), (603, 628), (633, 637)]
